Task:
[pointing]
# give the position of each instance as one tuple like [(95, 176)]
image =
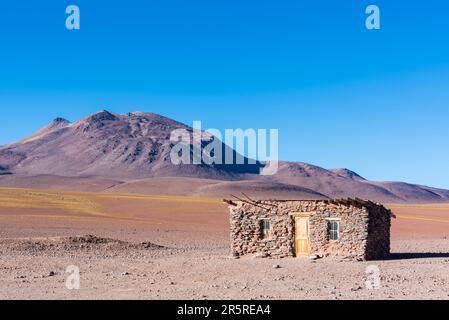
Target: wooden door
[(302, 242)]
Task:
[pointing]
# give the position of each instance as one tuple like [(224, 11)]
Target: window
[(334, 230), (265, 229)]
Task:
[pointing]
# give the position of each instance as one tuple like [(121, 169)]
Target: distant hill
[(343, 183), (131, 153)]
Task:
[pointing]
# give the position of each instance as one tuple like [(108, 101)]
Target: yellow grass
[(420, 212), (421, 218), (34, 199), (427, 206), (159, 198), (89, 204), (86, 203)]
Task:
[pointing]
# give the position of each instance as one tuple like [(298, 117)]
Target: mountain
[(131, 153), (130, 146), (344, 183)]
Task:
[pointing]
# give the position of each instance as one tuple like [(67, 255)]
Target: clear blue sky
[(376, 102)]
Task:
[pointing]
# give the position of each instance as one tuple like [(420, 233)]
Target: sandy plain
[(174, 247)]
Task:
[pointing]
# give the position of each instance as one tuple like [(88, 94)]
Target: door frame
[(301, 215)]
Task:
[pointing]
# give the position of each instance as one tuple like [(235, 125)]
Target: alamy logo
[(206, 147), (72, 22), (373, 278), (373, 20), (73, 280)]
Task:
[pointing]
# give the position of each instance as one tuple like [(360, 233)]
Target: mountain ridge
[(136, 146)]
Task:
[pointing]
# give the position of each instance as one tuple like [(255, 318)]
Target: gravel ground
[(111, 269)]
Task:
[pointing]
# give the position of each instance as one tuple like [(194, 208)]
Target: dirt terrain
[(172, 247)]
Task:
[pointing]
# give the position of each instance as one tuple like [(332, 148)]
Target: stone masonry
[(364, 228)]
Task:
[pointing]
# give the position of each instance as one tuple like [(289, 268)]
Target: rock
[(51, 274), (356, 289), (276, 266), (126, 274)]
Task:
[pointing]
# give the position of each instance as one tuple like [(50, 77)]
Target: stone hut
[(350, 228)]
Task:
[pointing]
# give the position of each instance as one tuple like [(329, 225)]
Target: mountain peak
[(53, 126), (104, 112), (59, 121), (101, 116), (346, 173)]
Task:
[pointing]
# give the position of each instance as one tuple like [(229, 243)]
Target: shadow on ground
[(418, 255)]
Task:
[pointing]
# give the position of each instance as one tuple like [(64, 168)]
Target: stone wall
[(379, 230), (357, 225), (246, 231)]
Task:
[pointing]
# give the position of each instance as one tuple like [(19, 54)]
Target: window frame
[(333, 232), (266, 235)]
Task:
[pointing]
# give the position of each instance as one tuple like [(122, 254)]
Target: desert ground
[(177, 247)]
